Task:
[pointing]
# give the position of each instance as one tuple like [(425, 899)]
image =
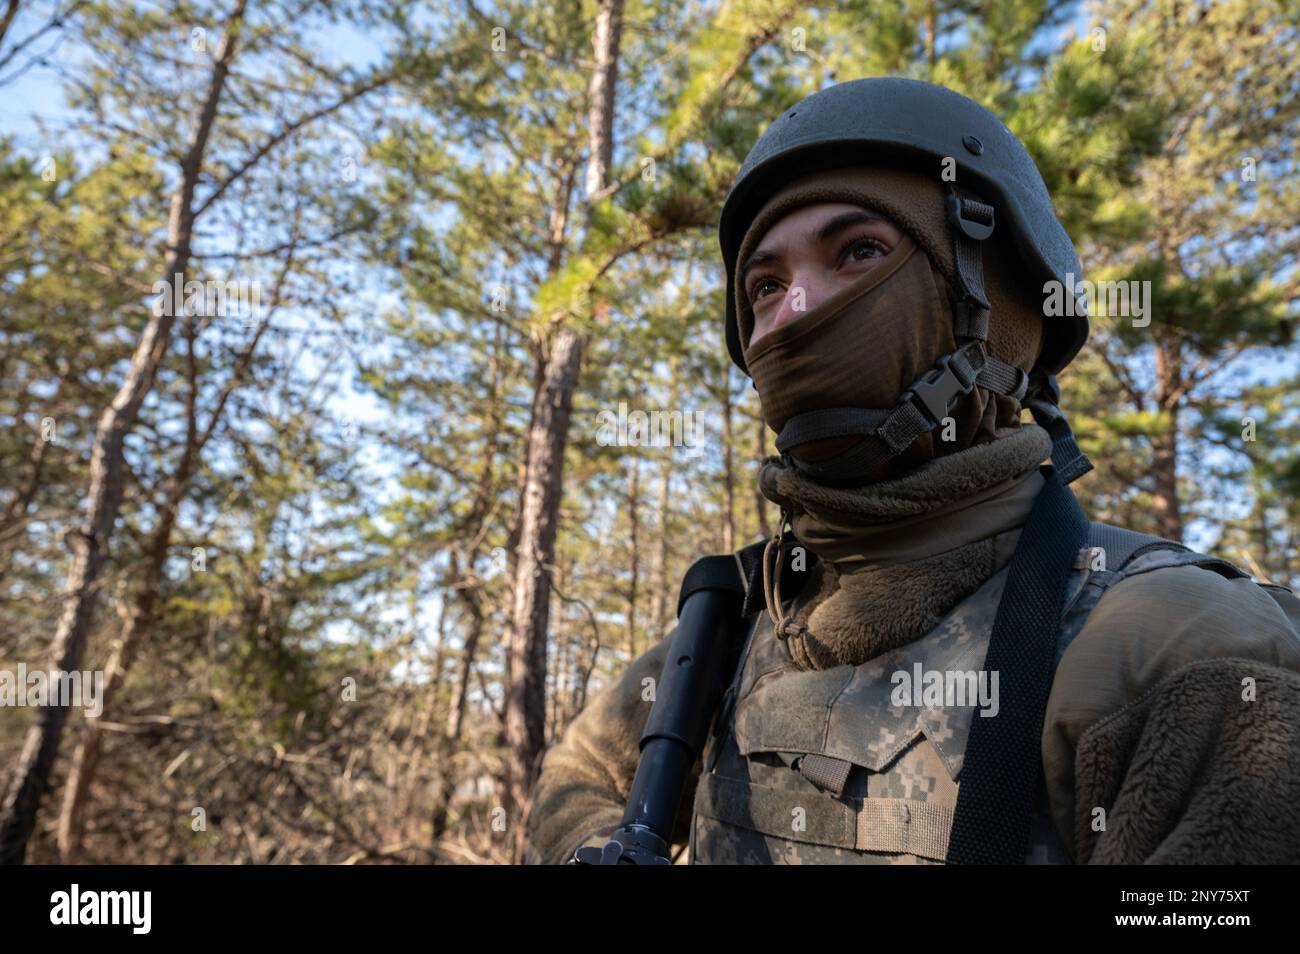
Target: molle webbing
[(889, 825)]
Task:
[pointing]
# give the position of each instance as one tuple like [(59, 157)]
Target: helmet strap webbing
[(1044, 403), (970, 222)]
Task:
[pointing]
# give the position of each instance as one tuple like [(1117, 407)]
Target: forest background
[(346, 534)]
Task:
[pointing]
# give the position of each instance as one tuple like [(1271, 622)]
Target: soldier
[(888, 246)]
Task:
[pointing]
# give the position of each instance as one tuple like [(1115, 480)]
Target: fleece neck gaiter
[(897, 556)]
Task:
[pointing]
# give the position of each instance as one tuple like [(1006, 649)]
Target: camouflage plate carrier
[(821, 767)]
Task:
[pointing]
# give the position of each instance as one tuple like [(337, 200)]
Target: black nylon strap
[(969, 320), (970, 271), (903, 426), (751, 564), (971, 221), (1003, 763), (1002, 378), (832, 422), (1067, 457), (1044, 400)]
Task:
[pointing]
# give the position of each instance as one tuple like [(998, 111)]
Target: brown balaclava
[(869, 341)]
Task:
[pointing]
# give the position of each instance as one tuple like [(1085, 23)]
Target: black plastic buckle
[(936, 391), (971, 228)]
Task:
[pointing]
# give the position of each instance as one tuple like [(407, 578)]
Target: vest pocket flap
[(806, 713), (887, 825)]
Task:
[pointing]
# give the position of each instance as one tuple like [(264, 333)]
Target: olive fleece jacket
[(1172, 733), (1176, 710)]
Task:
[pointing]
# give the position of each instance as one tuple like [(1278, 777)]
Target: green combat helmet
[(918, 125)]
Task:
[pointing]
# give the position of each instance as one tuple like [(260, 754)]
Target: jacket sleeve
[(1172, 732), (586, 777)]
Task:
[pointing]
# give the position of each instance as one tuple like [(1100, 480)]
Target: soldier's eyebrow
[(841, 222)]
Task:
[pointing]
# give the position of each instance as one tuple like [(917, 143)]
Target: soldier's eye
[(864, 248)]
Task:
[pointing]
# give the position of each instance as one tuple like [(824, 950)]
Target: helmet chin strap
[(1044, 402), (923, 406)]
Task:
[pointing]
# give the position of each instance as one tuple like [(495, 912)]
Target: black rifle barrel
[(700, 662), (689, 690)]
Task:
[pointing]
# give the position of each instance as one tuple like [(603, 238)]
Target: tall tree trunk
[(634, 556), (600, 94), (1262, 533), (85, 760), (7, 18), (468, 588), (548, 429), (470, 595), (449, 743), (660, 585), (556, 660), (1164, 444), (91, 540), (659, 596), (586, 662), (460, 688)]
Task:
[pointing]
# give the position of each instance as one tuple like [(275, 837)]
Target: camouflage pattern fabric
[(892, 802)]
